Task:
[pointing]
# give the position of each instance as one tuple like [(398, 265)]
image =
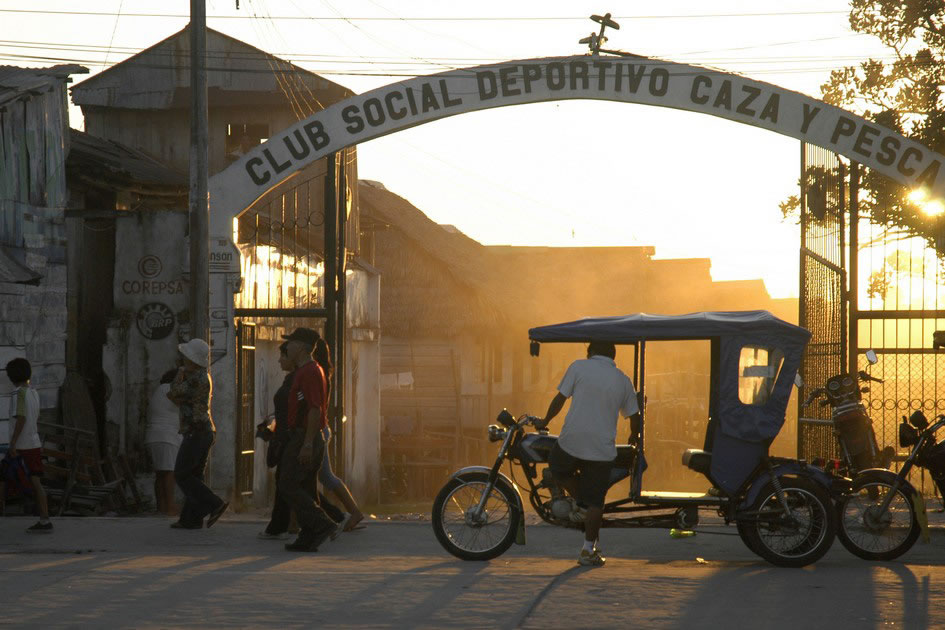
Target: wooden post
[(341, 310), (199, 175), (853, 295), (802, 278), (331, 266)]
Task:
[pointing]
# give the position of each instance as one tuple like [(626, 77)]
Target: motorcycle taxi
[(781, 507)]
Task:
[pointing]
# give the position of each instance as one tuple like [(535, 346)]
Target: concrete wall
[(151, 297), (33, 325), (362, 389)]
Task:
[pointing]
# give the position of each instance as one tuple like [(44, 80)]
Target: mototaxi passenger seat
[(697, 460)]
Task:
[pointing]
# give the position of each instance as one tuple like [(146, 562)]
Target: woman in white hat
[(191, 391)]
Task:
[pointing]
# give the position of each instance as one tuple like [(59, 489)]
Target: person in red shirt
[(305, 448)]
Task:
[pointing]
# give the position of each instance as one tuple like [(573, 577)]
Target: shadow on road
[(767, 597)]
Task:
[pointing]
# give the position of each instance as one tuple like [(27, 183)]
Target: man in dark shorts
[(582, 458)]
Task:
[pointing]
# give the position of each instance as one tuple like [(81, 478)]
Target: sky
[(563, 174)]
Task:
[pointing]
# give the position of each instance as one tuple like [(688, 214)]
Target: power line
[(114, 30), (434, 18), (393, 73), (436, 62), (379, 59)]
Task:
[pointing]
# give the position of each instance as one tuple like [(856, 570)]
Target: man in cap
[(303, 453), (191, 391)]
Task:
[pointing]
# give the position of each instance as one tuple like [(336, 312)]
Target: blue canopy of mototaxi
[(734, 329)]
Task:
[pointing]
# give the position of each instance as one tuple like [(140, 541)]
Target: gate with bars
[(823, 289), (294, 245), (864, 285)]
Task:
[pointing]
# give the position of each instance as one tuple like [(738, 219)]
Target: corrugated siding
[(33, 147), (430, 403)]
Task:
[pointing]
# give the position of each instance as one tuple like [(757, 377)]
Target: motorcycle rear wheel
[(799, 542), (870, 535), (464, 535)]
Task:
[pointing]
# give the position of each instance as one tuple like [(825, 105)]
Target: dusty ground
[(136, 572)]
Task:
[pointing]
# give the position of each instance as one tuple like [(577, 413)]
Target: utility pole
[(199, 175)]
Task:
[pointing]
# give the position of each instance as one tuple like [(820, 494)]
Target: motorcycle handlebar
[(865, 376), (526, 420), (814, 394)]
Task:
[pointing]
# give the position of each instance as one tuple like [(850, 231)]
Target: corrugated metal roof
[(119, 165), (16, 81), (158, 77)]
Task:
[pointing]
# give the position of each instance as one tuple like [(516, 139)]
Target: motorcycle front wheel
[(798, 538), (471, 535), (873, 535)]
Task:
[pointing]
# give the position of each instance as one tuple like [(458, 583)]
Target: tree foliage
[(904, 91)]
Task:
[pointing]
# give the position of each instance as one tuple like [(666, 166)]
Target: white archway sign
[(421, 100), (639, 80)]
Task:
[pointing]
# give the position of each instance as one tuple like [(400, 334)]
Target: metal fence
[(889, 286), (822, 290)]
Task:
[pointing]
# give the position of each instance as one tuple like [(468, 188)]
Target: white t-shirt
[(24, 402), (163, 418), (598, 392)]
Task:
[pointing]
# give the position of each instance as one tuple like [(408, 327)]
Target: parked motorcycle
[(851, 423), (883, 515)]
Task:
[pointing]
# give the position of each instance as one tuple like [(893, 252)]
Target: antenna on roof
[(595, 40)]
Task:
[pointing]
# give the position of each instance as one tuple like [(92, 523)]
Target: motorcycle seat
[(625, 455), (697, 460)]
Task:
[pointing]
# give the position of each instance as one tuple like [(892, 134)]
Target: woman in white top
[(162, 437)]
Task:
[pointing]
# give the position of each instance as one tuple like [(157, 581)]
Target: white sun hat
[(197, 351)]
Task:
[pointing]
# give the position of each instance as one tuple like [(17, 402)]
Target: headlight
[(496, 433)]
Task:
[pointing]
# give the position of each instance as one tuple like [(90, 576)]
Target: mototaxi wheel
[(872, 535), (743, 528), (468, 536), (799, 539)]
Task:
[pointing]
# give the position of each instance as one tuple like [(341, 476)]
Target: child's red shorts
[(33, 458)]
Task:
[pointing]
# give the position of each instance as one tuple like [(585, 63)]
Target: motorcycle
[(883, 515), (851, 423), (781, 507)]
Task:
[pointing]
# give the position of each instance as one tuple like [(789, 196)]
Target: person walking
[(582, 458), (305, 448), (162, 437), (24, 439), (331, 483), (278, 526), (192, 391)]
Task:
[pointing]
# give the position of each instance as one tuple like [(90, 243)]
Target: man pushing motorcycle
[(584, 455)]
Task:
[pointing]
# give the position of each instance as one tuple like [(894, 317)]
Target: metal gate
[(893, 298), (897, 303), (822, 290), (294, 245), (245, 424)]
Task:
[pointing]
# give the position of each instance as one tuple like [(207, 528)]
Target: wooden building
[(34, 143)]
